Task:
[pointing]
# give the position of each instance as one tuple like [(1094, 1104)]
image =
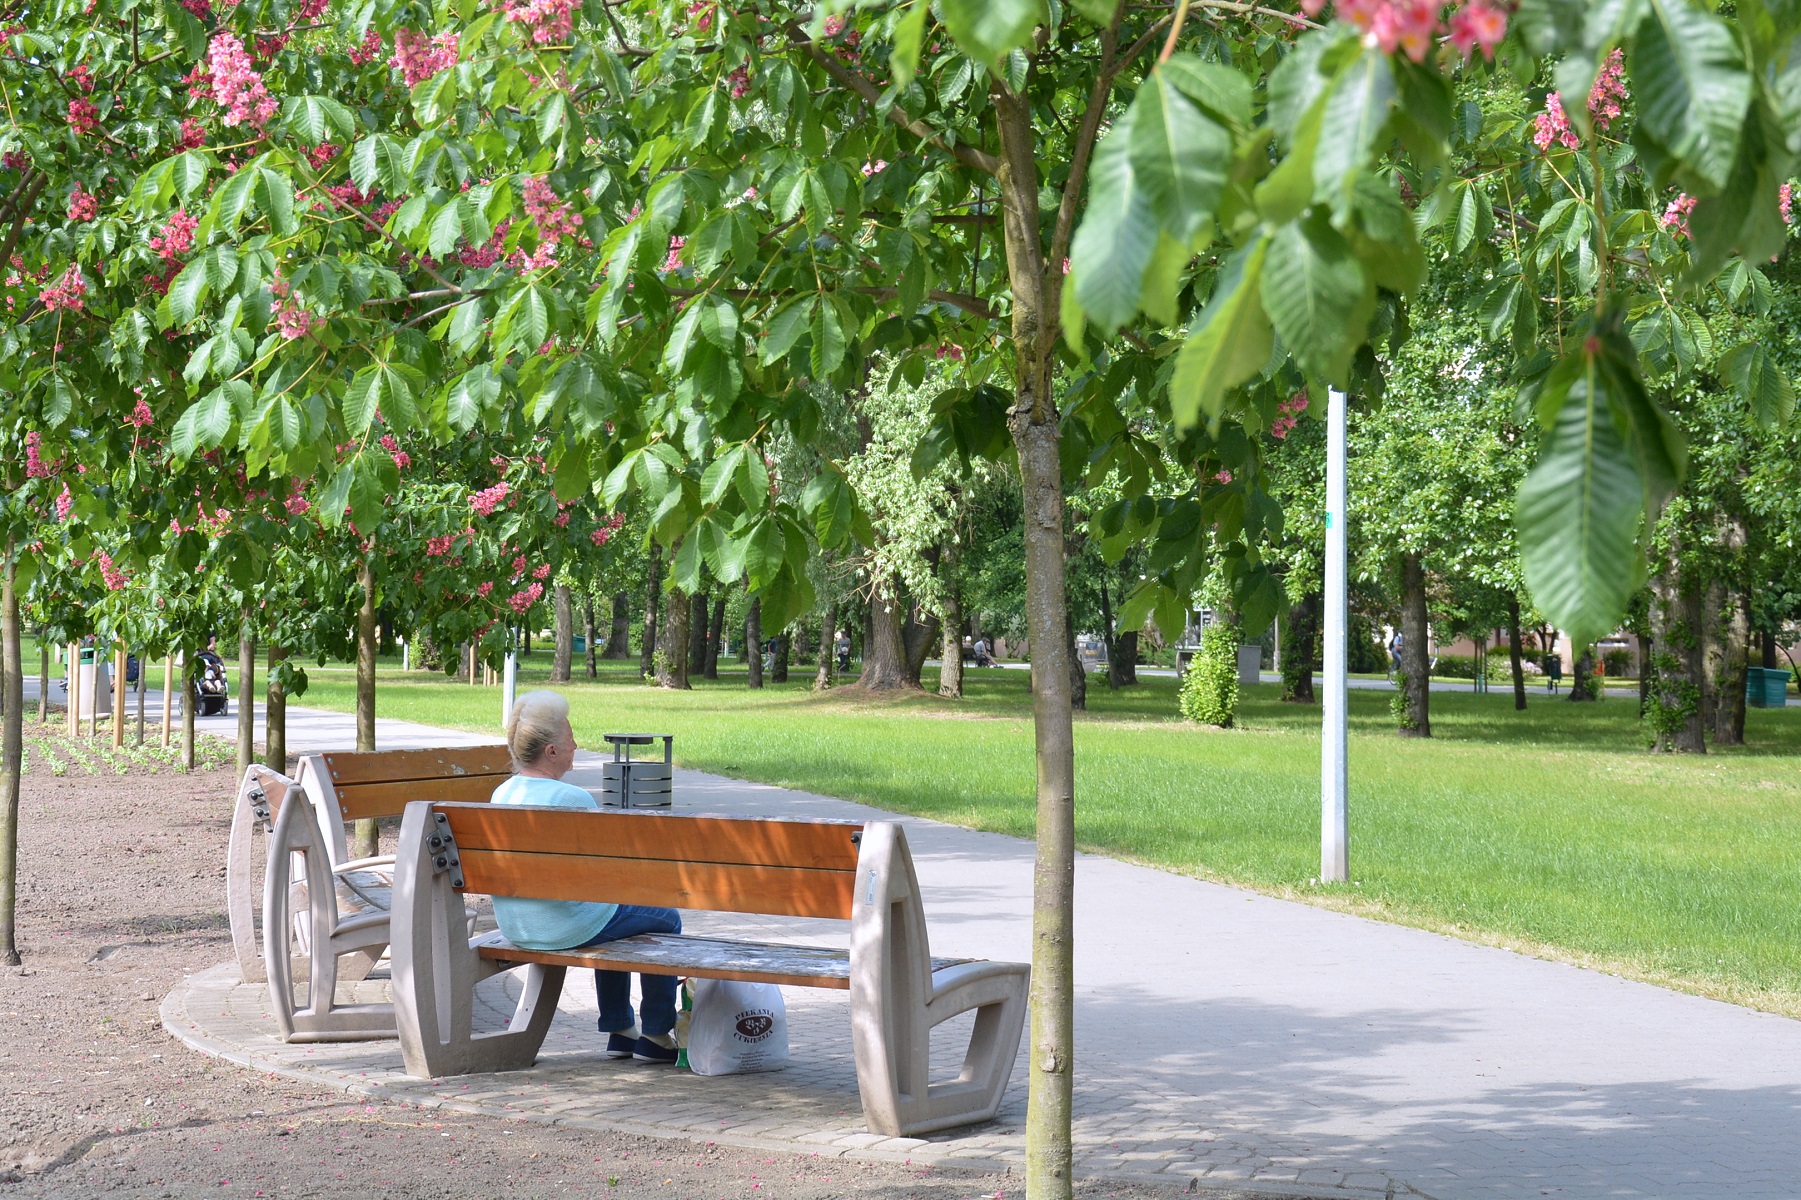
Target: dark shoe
[(622, 1044), (654, 1051)]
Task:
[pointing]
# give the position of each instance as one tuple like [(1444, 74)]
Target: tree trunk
[(1416, 664), (246, 690), (828, 637), (1514, 660), (919, 637), (367, 838), (44, 676), (672, 664), (1582, 676), (698, 612), (619, 640), (590, 651), (950, 653), (1032, 421), (12, 755), (753, 644), (715, 636), (1674, 711), (563, 649), (1078, 675), (784, 653), (885, 654), (653, 596), (1728, 630), (275, 716), (1300, 642), (188, 705)]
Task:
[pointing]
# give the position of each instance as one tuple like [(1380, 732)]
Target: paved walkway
[(1222, 1036)]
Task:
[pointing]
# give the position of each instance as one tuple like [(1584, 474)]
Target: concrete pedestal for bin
[(1250, 665)]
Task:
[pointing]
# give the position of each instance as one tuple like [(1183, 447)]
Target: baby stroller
[(210, 691)]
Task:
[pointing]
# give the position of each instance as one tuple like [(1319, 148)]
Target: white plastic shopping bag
[(737, 1028)]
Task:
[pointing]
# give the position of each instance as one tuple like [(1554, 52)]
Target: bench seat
[(698, 958)]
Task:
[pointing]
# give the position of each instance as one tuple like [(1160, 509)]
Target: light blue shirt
[(548, 924)]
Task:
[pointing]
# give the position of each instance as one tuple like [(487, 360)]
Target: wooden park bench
[(314, 896), (863, 873)]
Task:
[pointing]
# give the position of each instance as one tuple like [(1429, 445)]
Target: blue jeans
[(614, 988)]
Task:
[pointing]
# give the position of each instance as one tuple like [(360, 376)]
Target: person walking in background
[(844, 650)]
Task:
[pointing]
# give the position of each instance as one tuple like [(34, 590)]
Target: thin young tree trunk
[(698, 612), (672, 664), (246, 690), (275, 716), (44, 679), (753, 643), (1416, 664), (1078, 675), (653, 597), (885, 654), (367, 837), (12, 755), (591, 652), (950, 672), (828, 637), (189, 702), (784, 651), (619, 641), (1033, 421), (715, 636), (1515, 661), (565, 635)]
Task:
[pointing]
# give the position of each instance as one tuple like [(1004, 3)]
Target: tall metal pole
[(509, 680), (1334, 842)]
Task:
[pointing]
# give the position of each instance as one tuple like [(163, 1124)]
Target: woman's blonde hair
[(536, 721)]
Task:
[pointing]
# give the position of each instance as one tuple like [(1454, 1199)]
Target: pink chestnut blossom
[(418, 57), (83, 206), (67, 293), (236, 85), (487, 500)]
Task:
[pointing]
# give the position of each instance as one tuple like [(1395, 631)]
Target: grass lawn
[(1550, 831)]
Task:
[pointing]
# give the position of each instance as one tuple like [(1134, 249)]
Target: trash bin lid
[(634, 739)]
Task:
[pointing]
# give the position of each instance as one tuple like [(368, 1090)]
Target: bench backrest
[(348, 785), (721, 864)]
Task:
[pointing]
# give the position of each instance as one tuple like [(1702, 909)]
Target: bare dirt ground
[(121, 892)]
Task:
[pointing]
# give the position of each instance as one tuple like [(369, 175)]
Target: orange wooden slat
[(817, 845), (359, 800), (384, 766), (714, 887)]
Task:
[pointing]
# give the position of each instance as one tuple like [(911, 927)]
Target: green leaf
[(686, 574), (1312, 290), (1229, 342), (1216, 87), (909, 36), (828, 340), (275, 193), (716, 480), (1689, 79), (786, 328), (188, 290), (1351, 127), (552, 117), (1579, 506), (232, 198), (571, 479), (189, 173), (1475, 218), (681, 335), (362, 398), (1761, 384), (447, 229), (719, 324), (987, 29), (1179, 156), (1113, 244), (315, 118)]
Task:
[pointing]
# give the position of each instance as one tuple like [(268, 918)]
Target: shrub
[(1209, 694), (1621, 664), (1455, 666)]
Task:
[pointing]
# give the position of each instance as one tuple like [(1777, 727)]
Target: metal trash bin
[(629, 782)]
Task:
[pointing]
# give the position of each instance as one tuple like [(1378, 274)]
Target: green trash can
[(1766, 687)]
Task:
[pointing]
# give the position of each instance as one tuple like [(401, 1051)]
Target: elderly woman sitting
[(542, 745)]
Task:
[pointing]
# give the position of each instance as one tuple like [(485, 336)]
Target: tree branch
[(975, 306), (966, 154), (22, 210)]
